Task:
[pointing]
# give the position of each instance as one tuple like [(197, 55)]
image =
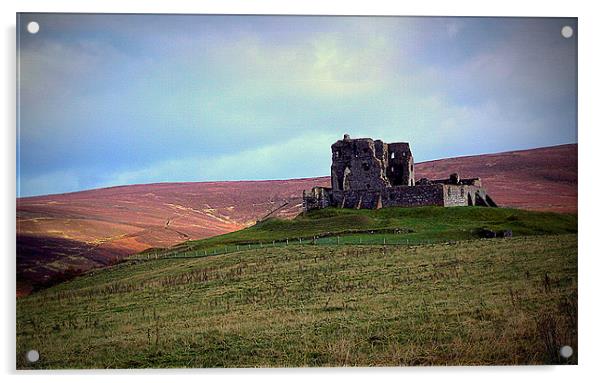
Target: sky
[(107, 100)]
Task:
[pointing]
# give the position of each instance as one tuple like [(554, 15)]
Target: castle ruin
[(371, 174)]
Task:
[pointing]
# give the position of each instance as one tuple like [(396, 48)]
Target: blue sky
[(107, 100)]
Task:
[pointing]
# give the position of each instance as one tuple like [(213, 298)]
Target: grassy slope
[(496, 301), (416, 225)]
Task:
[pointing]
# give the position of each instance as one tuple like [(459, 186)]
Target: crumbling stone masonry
[(371, 174)]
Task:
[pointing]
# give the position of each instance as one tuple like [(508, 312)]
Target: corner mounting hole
[(33, 27), (566, 351), (32, 356), (566, 32)]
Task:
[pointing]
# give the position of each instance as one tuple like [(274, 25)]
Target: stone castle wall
[(371, 174), (356, 166)]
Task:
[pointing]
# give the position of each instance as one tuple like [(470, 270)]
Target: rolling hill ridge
[(68, 233), (435, 294)]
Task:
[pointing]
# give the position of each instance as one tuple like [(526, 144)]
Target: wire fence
[(374, 239)]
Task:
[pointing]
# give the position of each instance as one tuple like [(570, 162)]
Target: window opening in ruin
[(337, 154), (366, 166), (347, 179), (449, 192), (403, 154), (392, 168), (462, 192), (392, 155)]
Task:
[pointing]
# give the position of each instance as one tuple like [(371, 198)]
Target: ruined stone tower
[(368, 173), (366, 164)]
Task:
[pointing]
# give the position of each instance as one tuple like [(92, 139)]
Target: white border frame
[(590, 264)]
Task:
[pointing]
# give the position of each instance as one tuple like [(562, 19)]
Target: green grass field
[(474, 301), (393, 225)]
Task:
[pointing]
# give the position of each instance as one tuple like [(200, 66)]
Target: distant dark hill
[(64, 233)]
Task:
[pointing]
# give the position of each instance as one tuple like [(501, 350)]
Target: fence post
[(260, 244), (249, 246), (287, 242), (205, 252), (273, 243), (338, 240), (384, 240), (360, 240)]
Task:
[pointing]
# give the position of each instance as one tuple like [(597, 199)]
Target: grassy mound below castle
[(463, 301), (421, 225)]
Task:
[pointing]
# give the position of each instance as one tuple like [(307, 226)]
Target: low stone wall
[(398, 196), (456, 195), (402, 196), (317, 198), (466, 195), (412, 196)]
